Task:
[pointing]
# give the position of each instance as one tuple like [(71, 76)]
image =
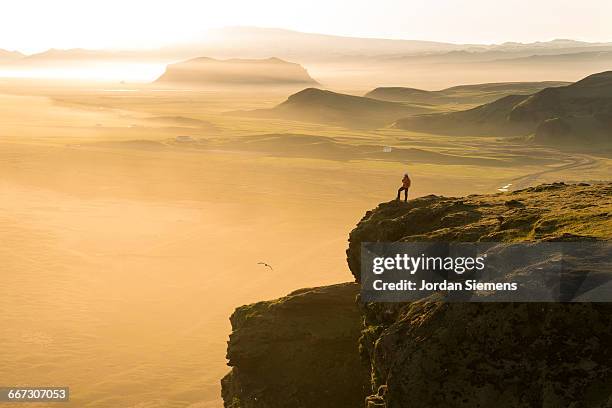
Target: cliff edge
[(558, 211), (428, 354), (297, 351)]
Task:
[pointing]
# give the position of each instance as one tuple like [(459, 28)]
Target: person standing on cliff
[(405, 186)]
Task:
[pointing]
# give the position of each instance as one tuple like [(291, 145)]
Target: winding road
[(578, 161)]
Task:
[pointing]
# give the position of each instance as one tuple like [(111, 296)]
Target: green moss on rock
[(297, 351)]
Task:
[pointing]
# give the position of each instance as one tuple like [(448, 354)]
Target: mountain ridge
[(469, 93), (578, 114), (241, 37)]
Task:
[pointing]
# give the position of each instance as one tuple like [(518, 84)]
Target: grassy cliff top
[(547, 212)]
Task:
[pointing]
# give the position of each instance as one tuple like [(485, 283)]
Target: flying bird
[(266, 265)]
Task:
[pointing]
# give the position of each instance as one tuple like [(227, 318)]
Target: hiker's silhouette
[(406, 182)]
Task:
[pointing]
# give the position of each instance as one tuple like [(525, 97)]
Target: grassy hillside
[(322, 106), (463, 94), (579, 114), (488, 119)]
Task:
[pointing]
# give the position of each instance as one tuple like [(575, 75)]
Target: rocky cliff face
[(299, 351), (293, 352), (429, 354)]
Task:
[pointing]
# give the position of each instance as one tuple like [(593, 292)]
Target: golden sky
[(32, 26)]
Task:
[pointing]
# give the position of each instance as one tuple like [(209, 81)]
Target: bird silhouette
[(266, 265)]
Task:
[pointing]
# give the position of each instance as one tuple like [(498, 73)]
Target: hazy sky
[(31, 26)]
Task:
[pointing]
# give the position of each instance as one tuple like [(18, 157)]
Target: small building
[(184, 139)]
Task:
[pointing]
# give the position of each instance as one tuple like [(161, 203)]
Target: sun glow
[(34, 26), (106, 72)]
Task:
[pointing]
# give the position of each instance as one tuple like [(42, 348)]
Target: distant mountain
[(69, 57), (78, 63), (209, 71), (559, 43), (6, 55), (256, 42), (478, 93), (322, 106), (576, 114), (54, 54), (577, 57), (340, 62)]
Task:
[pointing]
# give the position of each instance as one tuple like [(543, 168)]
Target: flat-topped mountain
[(576, 114), (210, 71), (323, 106)]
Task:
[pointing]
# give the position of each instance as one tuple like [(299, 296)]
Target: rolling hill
[(210, 71), (477, 93), (322, 106), (578, 114)]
